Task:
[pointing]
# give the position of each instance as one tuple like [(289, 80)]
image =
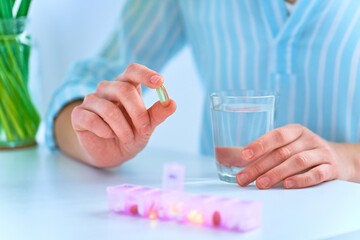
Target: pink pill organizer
[(205, 210)]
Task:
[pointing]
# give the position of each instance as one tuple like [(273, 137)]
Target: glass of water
[(239, 118)]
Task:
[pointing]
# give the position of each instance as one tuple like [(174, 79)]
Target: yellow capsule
[(163, 96), (195, 217)]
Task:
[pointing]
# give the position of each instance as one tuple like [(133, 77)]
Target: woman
[(309, 52)]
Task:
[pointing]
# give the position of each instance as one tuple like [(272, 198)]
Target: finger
[(104, 86), (297, 163), (83, 120), (111, 114), (158, 113), (272, 140), (137, 73), (316, 175), (273, 159), (126, 94)]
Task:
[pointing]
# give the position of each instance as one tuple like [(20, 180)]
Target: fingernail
[(289, 184), (247, 154), (263, 182), (145, 129), (155, 79), (242, 179)]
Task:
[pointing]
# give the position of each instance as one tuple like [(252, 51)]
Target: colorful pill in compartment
[(195, 211), (151, 203), (171, 205), (139, 206), (213, 214), (134, 200), (116, 197)]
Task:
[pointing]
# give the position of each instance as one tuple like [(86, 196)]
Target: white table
[(46, 195)]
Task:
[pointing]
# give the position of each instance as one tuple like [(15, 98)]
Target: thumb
[(158, 113)]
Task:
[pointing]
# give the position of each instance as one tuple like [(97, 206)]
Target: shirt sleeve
[(148, 32)]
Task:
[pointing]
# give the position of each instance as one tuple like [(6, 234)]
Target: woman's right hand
[(113, 124)]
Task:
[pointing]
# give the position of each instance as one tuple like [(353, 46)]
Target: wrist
[(348, 158), (64, 133)]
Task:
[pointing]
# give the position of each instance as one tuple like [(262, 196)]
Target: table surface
[(46, 195)]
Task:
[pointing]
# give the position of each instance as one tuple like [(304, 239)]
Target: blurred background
[(65, 31)]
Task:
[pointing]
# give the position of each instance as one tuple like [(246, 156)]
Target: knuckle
[(90, 121), (109, 133), (256, 170), (101, 85), (75, 114), (307, 180), (125, 88), (142, 117), (120, 77), (301, 160), (260, 145), (320, 175), (325, 152), (127, 136), (313, 139), (132, 67), (298, 126), (155, 119), (276, 174), (89, 98), (279, 135), (284, 153), (75, 111), (111, 112)]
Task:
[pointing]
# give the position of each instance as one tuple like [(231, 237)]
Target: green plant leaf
[(6, 9), (23, 8)]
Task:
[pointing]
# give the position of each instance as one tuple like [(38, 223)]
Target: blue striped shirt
[(311, 57)]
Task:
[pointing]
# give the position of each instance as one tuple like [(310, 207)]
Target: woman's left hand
[(295, 155)]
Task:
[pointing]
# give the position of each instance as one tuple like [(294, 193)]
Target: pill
[(134, 209), (216, 219), (163, 96)]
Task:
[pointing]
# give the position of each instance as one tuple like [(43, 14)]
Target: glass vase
[(19, 119)]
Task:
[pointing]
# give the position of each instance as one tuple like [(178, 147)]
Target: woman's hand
[(113, 124), (298, 157)]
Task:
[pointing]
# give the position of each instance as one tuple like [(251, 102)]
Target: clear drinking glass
[(239, 118)]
